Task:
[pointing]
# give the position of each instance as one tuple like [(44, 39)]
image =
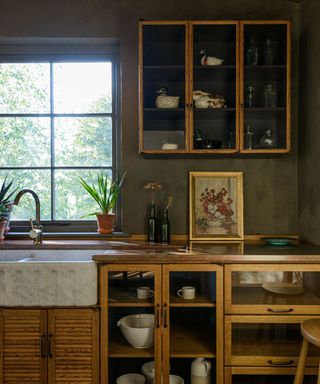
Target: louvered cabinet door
[(23, 360), (73, 346)]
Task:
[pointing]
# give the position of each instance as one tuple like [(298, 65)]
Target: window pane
[(24, 88), (72, 201), (25, 141), (82, 87), (85, 141), (39, 182)]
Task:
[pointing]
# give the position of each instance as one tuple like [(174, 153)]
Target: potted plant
[(3, 220), (105, 192), (6, 201)]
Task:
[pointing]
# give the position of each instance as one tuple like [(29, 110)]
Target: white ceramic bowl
[(148, 370), (138, 329), (131, 378)]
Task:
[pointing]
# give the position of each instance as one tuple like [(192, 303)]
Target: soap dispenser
[(200, 371)]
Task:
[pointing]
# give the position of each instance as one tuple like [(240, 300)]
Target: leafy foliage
[(105, 192), (5, 194)]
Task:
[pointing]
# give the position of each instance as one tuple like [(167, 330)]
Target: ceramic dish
[(278, 241), (283, 288)]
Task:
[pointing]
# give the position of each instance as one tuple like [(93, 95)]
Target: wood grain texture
[(74, 346), (21, 350)]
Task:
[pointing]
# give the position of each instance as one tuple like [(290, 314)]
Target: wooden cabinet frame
[(267, 309), (161, 304), (257, 360)]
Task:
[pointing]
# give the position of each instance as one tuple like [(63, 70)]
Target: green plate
[(278, 241)]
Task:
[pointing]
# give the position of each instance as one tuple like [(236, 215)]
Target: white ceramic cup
[(131, 378), (144, 293), (187, 293)]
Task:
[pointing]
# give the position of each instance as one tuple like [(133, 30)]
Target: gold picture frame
[(216, 206)]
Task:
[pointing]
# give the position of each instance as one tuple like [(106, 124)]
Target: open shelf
[(191, 343), (119, 347), (199, 301)]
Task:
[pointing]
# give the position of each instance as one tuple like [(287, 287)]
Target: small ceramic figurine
[(209, 60), (165, 101), (207, 100)]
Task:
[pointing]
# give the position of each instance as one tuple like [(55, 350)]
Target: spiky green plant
[(105, 192), (5, 194), (3, 211)]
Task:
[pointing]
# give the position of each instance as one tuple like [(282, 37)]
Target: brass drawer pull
[(280, 310), (50, 353), (43, 346), (280, 363)]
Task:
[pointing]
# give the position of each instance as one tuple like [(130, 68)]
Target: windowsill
[(68, 235)]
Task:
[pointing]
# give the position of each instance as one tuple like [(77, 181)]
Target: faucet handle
[(32, 224)]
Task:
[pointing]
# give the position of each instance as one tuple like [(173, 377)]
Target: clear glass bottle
[(250, 99), (152, 225), (248, 138), (270, 96), (268, 53), (165, 228), (252, 53), (267, 139)]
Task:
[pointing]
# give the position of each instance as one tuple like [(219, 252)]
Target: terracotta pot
[(105, 222), (3, 224)]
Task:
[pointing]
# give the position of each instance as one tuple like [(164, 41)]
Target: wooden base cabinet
[(52, 346), (184, 329)]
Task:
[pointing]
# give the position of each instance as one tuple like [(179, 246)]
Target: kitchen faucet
[(36, 229)]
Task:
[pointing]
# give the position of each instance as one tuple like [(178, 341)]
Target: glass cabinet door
[(265, 93), (192, 321), (214, 87), (273, 341), (272, 289), (131, 314), (163, 76)]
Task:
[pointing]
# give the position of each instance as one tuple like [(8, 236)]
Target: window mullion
[(52, 145)]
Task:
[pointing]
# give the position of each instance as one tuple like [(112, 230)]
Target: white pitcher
[(200, 371)]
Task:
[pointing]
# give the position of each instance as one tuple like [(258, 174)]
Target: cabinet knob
[(43, 346)]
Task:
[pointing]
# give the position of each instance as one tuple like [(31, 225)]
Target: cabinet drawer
[(261, 375), (266, 341), (272, 289)]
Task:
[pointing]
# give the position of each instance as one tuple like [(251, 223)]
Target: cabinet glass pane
[(164, 54), (270, 379), (214, 87), (265, 86), (278, 288), (192, 321), (131, 322), (182, 368)]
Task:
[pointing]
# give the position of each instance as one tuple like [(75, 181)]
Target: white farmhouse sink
[(48, 278)]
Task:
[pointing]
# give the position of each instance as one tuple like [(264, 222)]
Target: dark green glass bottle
[(165, 228), (152, 225)]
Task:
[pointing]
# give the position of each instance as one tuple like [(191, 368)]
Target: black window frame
[(20, 50)]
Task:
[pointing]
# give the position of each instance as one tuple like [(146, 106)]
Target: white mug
[(144, 293), (187, 293)]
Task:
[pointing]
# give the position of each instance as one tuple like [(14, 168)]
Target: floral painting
[(216, 205)]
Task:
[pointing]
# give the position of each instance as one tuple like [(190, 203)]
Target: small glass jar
[(270, 96), (252, 53), (267, 139), (268, 53), (250, 99)]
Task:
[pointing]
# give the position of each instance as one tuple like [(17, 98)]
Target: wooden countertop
[(222, 253)]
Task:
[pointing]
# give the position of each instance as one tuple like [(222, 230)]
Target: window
[(58, 121)]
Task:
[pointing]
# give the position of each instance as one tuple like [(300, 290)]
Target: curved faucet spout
[(36, 232)]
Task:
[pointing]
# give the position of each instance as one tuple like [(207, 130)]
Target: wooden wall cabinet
[(184, 329), (41, 346), (169, 57)]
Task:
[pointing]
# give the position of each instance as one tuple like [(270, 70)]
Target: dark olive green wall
[(270, 184), (309, 137)]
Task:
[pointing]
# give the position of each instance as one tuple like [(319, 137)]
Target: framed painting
[(216, 205)]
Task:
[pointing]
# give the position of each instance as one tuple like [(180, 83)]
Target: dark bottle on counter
[(152, 225), (165, 228)]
